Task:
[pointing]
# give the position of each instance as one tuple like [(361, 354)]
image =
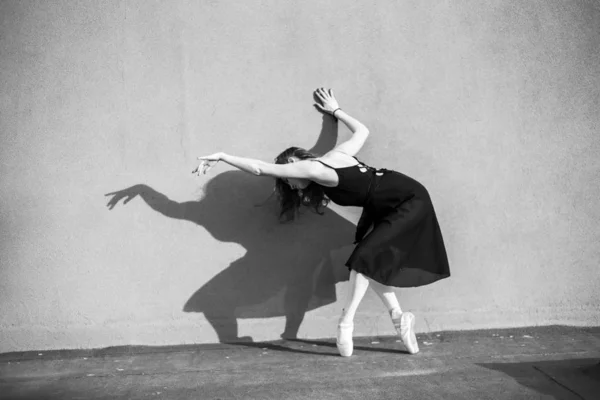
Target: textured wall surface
[(492, 105)]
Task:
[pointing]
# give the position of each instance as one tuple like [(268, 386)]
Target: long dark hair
[(290, 200)]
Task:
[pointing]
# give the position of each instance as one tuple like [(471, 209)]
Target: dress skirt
[(405, 248)]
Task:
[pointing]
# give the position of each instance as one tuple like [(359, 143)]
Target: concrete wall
[(492, 105)]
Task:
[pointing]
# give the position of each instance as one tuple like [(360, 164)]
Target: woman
[(398, 239)]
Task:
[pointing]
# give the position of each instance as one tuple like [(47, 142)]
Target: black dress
[(405, 247)]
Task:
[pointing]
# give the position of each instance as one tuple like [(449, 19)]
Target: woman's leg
[(387, 295), (403, 322), (358, 287)]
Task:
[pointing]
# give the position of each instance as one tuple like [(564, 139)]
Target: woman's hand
[(328, 102), (208, 162)]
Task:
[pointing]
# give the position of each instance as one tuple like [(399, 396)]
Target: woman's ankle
[(395, 312)]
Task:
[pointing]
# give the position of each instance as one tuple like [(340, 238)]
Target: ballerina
[(398, 239)]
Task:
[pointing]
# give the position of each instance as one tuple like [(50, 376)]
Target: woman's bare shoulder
[(338, 159)]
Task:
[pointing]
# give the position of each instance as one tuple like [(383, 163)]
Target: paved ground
[(528, 363)]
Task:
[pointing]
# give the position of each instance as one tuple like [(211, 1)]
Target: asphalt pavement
[(554, 362)]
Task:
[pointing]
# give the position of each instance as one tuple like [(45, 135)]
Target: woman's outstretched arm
[(300, 169)]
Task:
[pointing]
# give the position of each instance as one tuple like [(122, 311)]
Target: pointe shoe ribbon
[(344, 339)]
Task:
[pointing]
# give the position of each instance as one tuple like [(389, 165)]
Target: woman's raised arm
[(360, 133)]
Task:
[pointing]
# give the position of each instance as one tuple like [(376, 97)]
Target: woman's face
[(295, 183)]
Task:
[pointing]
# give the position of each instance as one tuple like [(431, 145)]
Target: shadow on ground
[(576, 378), (328, 346), (288, 268)]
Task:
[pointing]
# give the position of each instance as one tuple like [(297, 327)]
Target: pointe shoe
[(344, 338), (405, 326)]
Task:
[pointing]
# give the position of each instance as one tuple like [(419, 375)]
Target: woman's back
[(359, 184)]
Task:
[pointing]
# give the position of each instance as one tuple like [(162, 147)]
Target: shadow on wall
[(288, 268)]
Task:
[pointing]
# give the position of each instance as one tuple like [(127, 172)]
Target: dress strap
[(327, 165)]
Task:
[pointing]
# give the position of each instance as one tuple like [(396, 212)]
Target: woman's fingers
[(320, 107), (207, 167), (204, 167), (198, 168), (324, 93), (320, 96)]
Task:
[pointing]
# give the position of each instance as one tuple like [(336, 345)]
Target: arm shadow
[(288, 268)]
